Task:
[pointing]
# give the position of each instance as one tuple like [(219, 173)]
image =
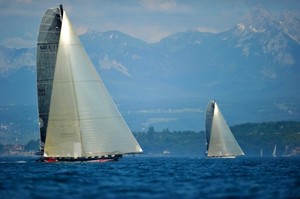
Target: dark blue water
[(152, 177)]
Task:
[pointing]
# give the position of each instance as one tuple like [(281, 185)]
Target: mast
[(61, 11)]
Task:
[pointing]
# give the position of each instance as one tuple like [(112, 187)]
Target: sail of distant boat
[(220, 141), (286, 152), (78, 118), (274, 151), (261, 152)]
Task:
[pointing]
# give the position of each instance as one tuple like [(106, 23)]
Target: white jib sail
[(83, 119), (222, 142)]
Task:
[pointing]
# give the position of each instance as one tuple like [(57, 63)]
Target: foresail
[(47, 46), (222, 141), (83, 120)]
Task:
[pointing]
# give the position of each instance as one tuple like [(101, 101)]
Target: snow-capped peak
[(258, 20)]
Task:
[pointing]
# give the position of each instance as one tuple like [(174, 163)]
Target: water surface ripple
[(152, 177)]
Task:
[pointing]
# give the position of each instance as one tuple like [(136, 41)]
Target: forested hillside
[(254, 137)]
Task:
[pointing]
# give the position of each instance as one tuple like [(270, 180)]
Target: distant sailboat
[(261, 152), (78, 119), (286, 152), (220, 141), (274, 151)]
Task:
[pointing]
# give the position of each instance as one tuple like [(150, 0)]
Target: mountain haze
[(252, 70)]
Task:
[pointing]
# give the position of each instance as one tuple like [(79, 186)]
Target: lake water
[(152, 177)]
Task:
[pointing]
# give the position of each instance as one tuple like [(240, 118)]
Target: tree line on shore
[(252, 137)]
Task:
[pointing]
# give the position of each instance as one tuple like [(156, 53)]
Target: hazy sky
[(149, 20)]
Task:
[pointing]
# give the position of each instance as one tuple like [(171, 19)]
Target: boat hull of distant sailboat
[(223, 156)]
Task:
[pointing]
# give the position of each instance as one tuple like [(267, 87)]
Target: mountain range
[(252, 70)]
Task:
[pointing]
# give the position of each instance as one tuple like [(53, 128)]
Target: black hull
[(82, 159)]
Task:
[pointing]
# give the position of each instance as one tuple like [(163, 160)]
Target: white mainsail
[(83, 119), (219, 138)]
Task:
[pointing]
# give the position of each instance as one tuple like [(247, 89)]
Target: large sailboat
[(220, 141), (78, 118)]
